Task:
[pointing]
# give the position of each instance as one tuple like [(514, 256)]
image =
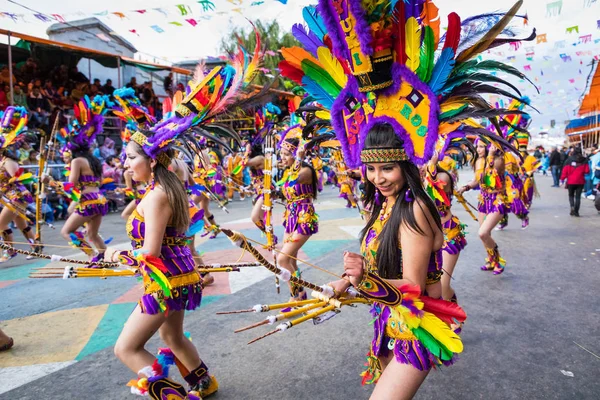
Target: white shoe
[(591, 197)]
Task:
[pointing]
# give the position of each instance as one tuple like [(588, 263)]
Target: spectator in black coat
[(555, 166)]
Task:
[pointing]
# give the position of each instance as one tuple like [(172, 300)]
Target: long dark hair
[(389, 255), (176, 193), (95, 164), (295, 142), (476, 156)]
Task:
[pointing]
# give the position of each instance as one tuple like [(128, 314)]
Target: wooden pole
[(10, 72)]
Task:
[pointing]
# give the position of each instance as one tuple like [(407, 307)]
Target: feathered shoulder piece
[(375, 62), (12, 123), (130, 109), (89, 118)]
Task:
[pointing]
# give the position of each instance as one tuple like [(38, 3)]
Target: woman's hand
[(493, 149), (109, 254), (354, 267), (463, 189), (339, 287), (46, 178)]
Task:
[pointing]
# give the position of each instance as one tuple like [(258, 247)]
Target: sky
[(160, 30)]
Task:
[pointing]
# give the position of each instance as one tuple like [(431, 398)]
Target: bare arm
[(76, 165), (305, 176), (256, 162), (12, 167)]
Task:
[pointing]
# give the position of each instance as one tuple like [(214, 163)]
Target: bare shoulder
[(157, 197)]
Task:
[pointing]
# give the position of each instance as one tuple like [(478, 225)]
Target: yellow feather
[(295, 55), (413, 43), (332, 66), (323, 114), (451, 105), (446, 127), (472, 122), (441, 332)]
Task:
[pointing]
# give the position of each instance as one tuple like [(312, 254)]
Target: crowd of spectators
[(44, 91)]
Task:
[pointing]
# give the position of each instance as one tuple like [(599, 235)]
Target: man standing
[(108, 88), (555, 165)]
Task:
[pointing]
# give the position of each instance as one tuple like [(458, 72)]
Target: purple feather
[(362, 28), (309, 40), (331, 19)]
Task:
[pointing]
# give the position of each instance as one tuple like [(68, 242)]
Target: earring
[(151, 183), (377, 198), (407, 196)]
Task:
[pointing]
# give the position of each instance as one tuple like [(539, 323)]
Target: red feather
[(400, 30), (156, 262), (291, 72), (444, 310), (453, 32)]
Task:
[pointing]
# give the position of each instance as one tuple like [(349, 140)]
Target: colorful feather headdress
[(208, 96), (89, 118), (374, 62), (12, 123), (130, 109)]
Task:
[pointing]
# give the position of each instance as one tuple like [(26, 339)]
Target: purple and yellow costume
[(14, 191), (91, 204), (391, 334), (183, 279), (492, 189), (299, 215)]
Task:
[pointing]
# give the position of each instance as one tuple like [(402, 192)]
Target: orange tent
[(591, 101)]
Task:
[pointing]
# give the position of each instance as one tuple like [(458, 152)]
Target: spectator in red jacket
[(574, 171)]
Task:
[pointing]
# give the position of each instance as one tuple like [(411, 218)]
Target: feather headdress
[(89, 118), (399, 71), (212, 94), (12, 122)]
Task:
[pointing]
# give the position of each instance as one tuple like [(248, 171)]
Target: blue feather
[(309, 40), (314, 21), (195, 228), (441, 71), (317, 92)]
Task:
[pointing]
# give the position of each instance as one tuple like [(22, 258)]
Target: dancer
[(256, 161), (529, 166), (85, 177), (299, 219), (439, 184), (158, 228), (15, 197), (344, 180), (390, 102), (489, 177)]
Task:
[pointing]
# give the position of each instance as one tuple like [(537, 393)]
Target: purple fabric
[(178, 260), (411, 352), (85, 209), (362, 27), (489, 202), (453, 244), (331, 19), (352, 146)]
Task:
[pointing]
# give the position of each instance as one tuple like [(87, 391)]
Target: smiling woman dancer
[(299, 219), (391, 105)]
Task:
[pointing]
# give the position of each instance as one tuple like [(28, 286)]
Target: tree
[(272, 40)]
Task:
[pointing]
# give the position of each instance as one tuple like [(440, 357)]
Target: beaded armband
[(378, 289)]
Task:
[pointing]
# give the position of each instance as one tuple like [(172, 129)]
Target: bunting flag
[(573, 29), (207, 5), (185, 10), (157, 28), (192, 22), (585, 38), (176, 23), (42, 17), (119, 14), (554, 8), (59, 18), (541, 38)]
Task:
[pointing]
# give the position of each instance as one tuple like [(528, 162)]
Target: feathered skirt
[(300, 216), (492, 202)]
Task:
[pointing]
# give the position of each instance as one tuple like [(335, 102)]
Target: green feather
[(426, 63), (321, 77), (452, 113), (435, 347)]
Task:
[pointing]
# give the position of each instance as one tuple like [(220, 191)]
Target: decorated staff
[(269, 170)]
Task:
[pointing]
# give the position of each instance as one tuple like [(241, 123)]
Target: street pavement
[(532, 332)]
